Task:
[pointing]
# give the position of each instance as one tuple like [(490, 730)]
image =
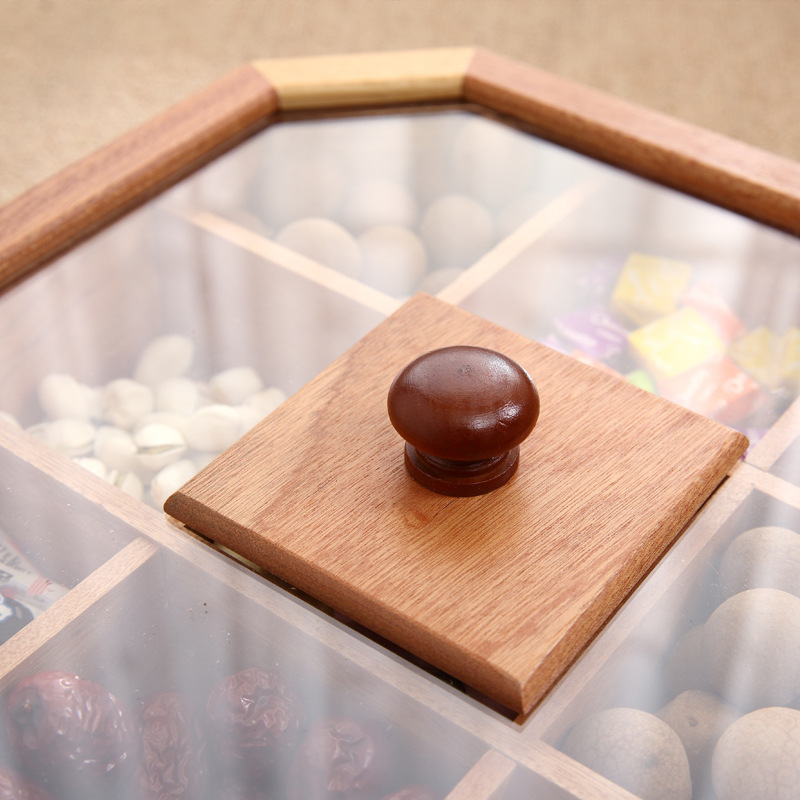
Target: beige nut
[(758, 757), (765, 557), (752, 644), (634, 749), (699, 718)]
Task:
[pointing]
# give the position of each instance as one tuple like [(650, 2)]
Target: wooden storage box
[(124, 248)]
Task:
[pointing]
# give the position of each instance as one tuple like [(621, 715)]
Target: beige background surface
[(76, 73)]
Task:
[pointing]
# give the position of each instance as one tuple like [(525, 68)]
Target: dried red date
[(341, 758), (14, 787), (70, 733), (255, 722), (172, 759)]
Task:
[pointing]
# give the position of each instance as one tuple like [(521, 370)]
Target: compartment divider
[(568, 778), (779, 437), (294, 262), (777, 487), (518, 241), (486, 780), (77, 601)]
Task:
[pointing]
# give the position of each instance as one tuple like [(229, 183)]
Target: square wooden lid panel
[(503, 590)]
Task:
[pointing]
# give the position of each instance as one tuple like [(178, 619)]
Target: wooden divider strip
[(77, 601), (517, 242), (781, 435), (295, 262), (486, 779), (776, 487)]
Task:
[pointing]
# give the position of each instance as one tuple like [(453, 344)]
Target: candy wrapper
[(649, 287), (704, 298), (716, 389), (593, 331), (14, 616), (676, 343), (790, 358), (758, 353), (20, 581)]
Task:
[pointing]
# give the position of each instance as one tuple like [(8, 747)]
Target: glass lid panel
[(153, 347), (182, 677), (684, 299), (401, 203), (697, 673), (149, 349)]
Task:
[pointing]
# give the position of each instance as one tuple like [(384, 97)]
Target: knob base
[(461, 478)]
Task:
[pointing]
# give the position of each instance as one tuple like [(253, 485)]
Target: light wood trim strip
[(368, 79), (776, 487), (295, 262), (486, 779), (77, 201), (777, 439), (76, 602), (516, 243), (708, 165)]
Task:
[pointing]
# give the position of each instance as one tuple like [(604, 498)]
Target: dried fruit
[(70, 732), (415, 791), (341, 758), (255, 721), (14, 786), (172, 763)]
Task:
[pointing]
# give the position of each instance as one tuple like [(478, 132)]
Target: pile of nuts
[(151, 432), (732, 728)]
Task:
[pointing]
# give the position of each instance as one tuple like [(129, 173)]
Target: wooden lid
[(502, 590)]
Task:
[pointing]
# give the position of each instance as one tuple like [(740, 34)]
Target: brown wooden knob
[(463, 412)]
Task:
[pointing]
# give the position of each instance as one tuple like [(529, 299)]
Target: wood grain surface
[(43, 222), (74, 203), (77, 74), (364, 79), (501, 591), (708, 165)]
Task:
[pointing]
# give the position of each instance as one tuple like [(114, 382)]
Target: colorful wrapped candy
[(642, 379), (593, 331), (676, 343), (790, 358), (706, 299), (716, 389), (758, 352), (649, 287)]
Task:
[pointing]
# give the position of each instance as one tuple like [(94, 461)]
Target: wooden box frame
[(72, 205), (76, 202)]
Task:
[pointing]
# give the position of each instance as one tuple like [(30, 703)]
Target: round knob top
[(463, 404)]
